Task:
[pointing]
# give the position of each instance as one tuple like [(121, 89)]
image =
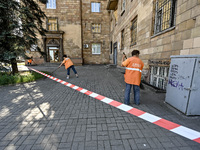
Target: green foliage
[(6, 78), (20, 22)]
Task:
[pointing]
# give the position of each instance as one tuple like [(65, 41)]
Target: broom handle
[(55, 70), (124, 55)]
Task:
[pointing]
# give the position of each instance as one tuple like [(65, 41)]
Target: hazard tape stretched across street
[(176, 128)]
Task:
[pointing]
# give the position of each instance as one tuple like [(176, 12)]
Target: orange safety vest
[(134, 66), (30, 60), (67, 63)]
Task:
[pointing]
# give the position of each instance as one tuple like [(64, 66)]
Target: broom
[(51, 73)]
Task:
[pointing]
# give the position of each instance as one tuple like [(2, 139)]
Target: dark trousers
[(136, 90), (73, 68)]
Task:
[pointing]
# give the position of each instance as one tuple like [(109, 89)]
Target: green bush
[(6, 78)]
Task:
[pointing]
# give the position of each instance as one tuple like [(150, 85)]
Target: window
[(164, 15), (111, 47), (158, 76), (52, 24), (134, 31), (111, 25), (34, 48), (123, 4), (51, 4), (96, 28), (96, 48), (122, 39), (95, 7)]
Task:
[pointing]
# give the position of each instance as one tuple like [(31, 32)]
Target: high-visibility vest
[(134, 66), (30, 60), (67, 63)]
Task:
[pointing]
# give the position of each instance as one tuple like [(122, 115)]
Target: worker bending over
[(68, 65)]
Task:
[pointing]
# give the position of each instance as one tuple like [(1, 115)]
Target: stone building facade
[(95, 25), (78, 28), (158, 29)]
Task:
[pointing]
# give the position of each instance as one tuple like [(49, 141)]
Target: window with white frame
[(158, 76), (51, 4), (95, 7), (96, 48)]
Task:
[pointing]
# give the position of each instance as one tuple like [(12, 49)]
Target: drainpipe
[(81, 30)]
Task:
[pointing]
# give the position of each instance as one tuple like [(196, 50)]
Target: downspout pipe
[(81, 17)]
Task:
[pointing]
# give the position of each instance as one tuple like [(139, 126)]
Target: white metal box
[(183, 87)]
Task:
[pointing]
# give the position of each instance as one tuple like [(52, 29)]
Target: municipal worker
[(30, 61), (68, 65), (133, 73)]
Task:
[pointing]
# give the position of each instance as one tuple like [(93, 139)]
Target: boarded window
[(134, 31), (122, 39), (164, 18), (52, 25), (96, 28)]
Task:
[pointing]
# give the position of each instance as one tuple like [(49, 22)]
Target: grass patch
[(21, 64), (6, 79)]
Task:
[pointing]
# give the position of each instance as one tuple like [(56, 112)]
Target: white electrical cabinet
[(183, 86)]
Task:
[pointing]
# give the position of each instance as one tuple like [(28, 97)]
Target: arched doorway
[(53, 50), (53, 46), (54, 54)]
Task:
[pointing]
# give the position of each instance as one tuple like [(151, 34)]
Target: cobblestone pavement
[(46, 115)]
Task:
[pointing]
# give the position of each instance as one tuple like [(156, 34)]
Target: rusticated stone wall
[(89, 37), (182, 39)]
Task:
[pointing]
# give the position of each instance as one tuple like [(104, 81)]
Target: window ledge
[(96, 32), (162, 32), (96, 12)]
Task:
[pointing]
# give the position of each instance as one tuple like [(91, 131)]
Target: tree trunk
[(14, 66)]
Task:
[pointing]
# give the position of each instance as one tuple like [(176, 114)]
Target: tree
[(20, 22)]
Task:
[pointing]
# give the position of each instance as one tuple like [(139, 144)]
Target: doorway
[(115, 53), (54, 54)]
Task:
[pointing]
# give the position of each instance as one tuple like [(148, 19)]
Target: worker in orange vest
[(30, 61), (134, 66), (68, 65)]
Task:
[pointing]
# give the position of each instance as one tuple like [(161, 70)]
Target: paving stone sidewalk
[(46, 115)]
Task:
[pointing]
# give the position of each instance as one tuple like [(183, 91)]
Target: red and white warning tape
[(176, 128)]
